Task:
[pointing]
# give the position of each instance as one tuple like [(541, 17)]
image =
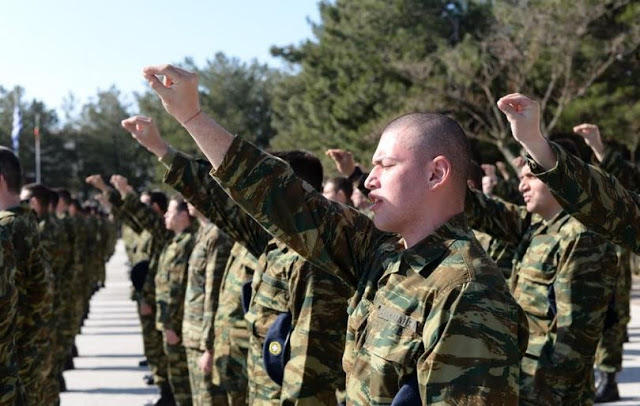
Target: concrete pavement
[(110, 347)]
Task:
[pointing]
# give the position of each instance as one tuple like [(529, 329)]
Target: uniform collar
[(435, 245)]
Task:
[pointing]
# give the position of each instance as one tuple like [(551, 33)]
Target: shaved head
[(432, 135)]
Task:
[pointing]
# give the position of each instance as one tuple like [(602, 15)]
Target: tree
[(348, 84), (551, 50)]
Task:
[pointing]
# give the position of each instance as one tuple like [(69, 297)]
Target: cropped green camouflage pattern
[(171, 281), (563, 277), (440, 309), (284, 282), (34, 298), (597, 199), (10, 386), (206, 266)]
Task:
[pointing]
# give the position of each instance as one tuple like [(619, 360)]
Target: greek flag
[(15, 130)]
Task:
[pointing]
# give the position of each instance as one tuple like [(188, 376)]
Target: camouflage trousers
[(536, 390), (203, 392), (153, 350), (610, 346), (230, 363), (178, 373), (262, 389)]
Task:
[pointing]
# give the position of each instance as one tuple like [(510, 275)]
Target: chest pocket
[(393, 341), (535, 277), (356, 326), (270, 300)]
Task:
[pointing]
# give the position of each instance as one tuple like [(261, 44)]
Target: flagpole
[(36, 133)]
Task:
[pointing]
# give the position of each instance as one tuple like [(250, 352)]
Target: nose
[(524, 185), (371, 182)]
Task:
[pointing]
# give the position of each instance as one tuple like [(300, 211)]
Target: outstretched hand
[(592, 138), (343, 160), (524, 117), (121, 184), (145, 131), (97, 182), (178, 90)]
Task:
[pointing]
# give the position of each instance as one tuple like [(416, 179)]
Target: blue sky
[(52, 48)]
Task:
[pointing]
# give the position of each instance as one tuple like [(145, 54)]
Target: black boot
[(68, 365), (148, 379), (143, 363), (62, 383), (607, 391), (166, 398), (74, 350)]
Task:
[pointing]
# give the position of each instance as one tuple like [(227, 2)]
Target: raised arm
[(598, 200), (190, 177), (500, 219), (335, 238)]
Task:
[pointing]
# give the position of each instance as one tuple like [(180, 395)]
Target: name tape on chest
[(394, 316)]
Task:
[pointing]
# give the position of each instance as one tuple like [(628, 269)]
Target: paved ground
[(110, 347)]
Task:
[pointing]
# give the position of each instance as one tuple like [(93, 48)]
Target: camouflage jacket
[(597, 199), (153, 223), (426, 310), (9, 380), (34, 294), (171, 281), (563, 276), (626, 172), (284, 279), (56, 251), (206, 266)]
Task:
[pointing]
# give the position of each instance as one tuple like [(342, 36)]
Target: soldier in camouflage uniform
[(69, 327), (34, 289), (206, 266), (153, 237), (56, 250), (610, 348), (11, 390), (171, 284), (563, 276), (416, 297), (285, 283)]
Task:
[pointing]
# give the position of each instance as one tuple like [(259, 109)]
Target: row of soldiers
[(53, 259), (430, 318), (262, 322)]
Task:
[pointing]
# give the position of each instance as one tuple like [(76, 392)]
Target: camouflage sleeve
[(597, 199), (462, 336), (317, 342), (588, 268), (146, 218), (501, 220), (626, 172), (336, 238), (191, 178), (8, 301), (172, 315), (507, 190), (217, 257)]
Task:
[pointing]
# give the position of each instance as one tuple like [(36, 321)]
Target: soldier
[(562, 276), (34, 295), (285, 288), (610, 348), (56, 250), (11, 390), (169, 280), (69, 327), (413, 322), (206, 266), (339, 189), (150, 219), (597, 199)]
